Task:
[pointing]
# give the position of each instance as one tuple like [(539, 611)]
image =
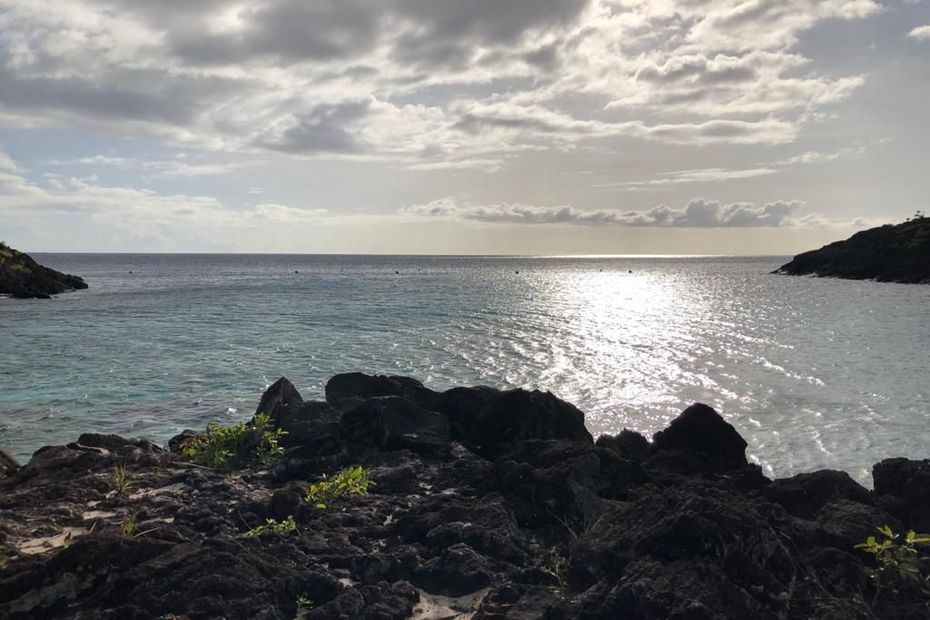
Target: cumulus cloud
[(921, 32), (698, 213), (419, 82)]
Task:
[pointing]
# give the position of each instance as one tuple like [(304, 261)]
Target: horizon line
[(400, 254)]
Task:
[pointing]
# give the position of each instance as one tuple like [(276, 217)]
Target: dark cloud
[(325, 129)]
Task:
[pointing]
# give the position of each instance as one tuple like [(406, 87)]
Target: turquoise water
[(814, 373)]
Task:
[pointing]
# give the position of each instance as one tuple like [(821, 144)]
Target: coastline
[(485, 502)]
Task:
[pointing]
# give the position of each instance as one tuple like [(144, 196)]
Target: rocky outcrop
[(23, 278), (890, 253), (488, 504)]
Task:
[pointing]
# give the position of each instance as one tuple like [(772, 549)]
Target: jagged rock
[(457, 571), (537, 523), (347, 390), (544, 481), (22, 277), (177, 442), (907, 484), (392, 423), (845, 523), (518, 415), (8, 464), (278, 400), (804, 495), (628, 444), (685, 552), (700, 429)]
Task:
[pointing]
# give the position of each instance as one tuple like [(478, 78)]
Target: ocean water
[(813, 372)]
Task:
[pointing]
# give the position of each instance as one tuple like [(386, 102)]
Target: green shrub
[(237, 446), (349, 481), (281, 528), (896, 560)]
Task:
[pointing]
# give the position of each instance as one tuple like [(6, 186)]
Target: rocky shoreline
[(22, 277), (484, 504), (890, 253)]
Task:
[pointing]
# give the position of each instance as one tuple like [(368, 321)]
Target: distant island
[(890, 253), (23, 278)]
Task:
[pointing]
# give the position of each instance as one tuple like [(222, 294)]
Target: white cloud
[(921, 32), (153, 168), (7, 163), (697, 213), (815, 157), (683, 177)]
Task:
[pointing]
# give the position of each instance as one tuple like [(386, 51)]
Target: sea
[(813, 372)]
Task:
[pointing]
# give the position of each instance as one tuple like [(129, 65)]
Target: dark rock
[(279, 399), (177, 442), (804, 495), (518, 415), (393, 423), (844, 523), (23, 278), (890, 253), (552, 481), (462, 405), (628, 444), (690, 552), (907, 484), (347, 390), (8, 464), (536, 523), (701, 429), (458, 571)]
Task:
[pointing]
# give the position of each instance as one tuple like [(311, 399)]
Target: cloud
[(815, 157), (127, 208), (697, 213), (921, 32), (338, 78), (703, 175), (7, 164), (153, 168)]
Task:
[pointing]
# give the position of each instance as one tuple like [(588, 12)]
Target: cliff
[(890, 253), (22, 277), (390, 500)]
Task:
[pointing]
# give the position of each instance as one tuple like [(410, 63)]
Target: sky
[(460, 127)]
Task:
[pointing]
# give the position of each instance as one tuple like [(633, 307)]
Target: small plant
[(349, 481), (121, 481), (896, 559), (303, 605), (281, 528), (130, 525), (556, 567), (236, 446)]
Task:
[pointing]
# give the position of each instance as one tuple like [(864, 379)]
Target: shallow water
[(813, 372)]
